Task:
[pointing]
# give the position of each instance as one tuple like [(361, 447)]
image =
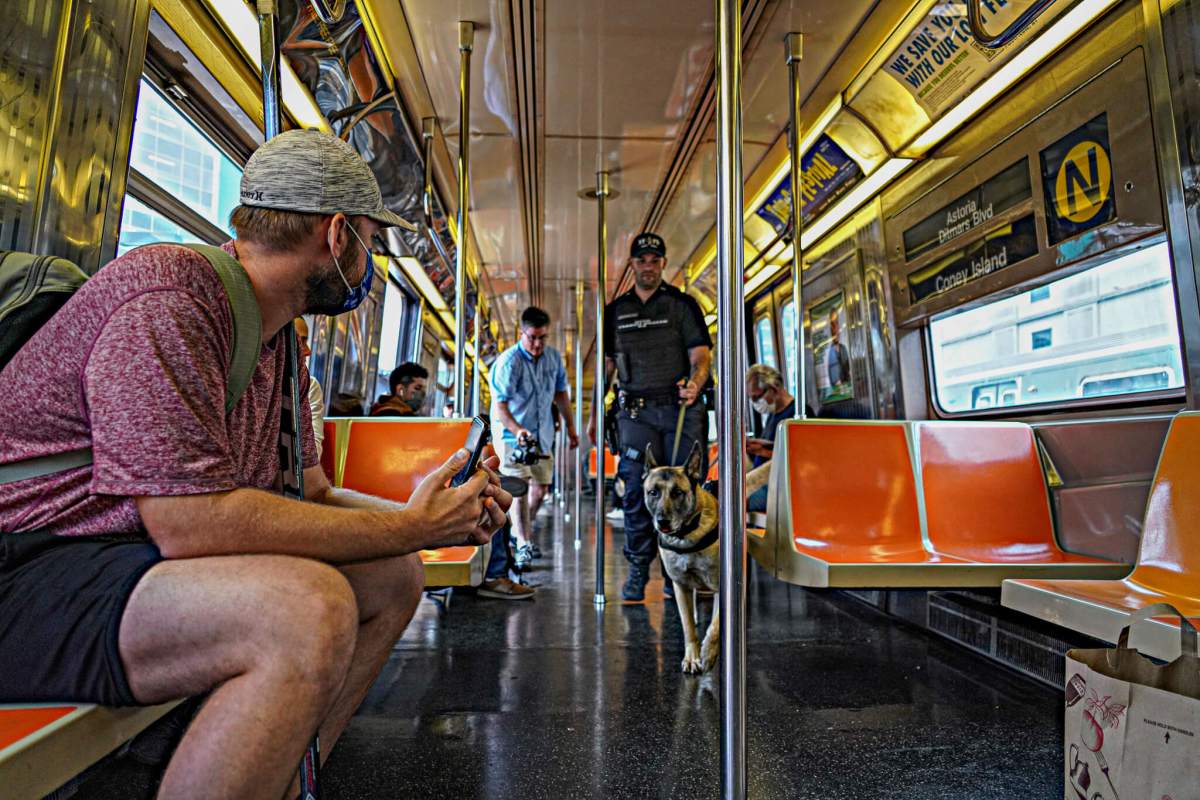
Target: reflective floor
[(554, 699)]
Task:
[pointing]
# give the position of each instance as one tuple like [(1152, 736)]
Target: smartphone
[(479, 435)]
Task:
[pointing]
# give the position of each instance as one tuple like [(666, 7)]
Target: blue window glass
[(1042, 338)]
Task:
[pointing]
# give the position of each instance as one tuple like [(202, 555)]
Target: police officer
[(658, 346)]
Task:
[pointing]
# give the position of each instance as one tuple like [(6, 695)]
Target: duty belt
[(631, 402)]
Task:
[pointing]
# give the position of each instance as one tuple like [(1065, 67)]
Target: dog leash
[(678, 432)]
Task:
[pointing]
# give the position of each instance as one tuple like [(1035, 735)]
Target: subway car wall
[(1020, 271)]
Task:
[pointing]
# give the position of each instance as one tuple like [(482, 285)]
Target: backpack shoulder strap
[(247, 320)]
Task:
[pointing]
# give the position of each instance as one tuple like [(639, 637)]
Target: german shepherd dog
[(685, 517)]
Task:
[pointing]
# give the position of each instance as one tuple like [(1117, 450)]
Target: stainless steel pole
[(598, 399), (579, 449), (293, 467), (794, 45), (730, 426), (477, 372), (466, 43)]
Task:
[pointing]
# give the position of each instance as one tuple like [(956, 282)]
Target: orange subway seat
[(853, 496), (16, 723), (389, 457), (985, 494), (1167, 568), (610, 464)]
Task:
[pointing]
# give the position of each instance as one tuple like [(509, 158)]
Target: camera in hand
[(526, 452)]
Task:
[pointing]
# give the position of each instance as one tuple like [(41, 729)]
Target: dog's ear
[(650, 462), (694, 466)]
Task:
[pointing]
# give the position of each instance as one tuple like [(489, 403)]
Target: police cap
[(648, 243)]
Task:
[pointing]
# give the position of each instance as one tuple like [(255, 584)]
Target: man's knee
[(315, 631)]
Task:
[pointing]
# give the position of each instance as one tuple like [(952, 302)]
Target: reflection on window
[(172, 152), (1107, 331), (764, 340), (787, 329), (141, 225)]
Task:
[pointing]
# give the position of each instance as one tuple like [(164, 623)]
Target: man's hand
[(573, 438), (591, 430), (466, 514), (688, 392)]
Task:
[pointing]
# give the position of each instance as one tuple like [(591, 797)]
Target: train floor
[(552, 698)]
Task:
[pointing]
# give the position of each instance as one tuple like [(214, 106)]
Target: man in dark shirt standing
[(658, 345)]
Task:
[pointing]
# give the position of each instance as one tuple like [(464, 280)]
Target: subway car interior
[(977, 327)]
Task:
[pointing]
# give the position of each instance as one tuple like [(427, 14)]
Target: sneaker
[(535, 550), (668, 588), (523, 557), (504, 589), (635, 585)]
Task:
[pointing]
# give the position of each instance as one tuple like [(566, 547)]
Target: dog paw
[(708, 657), (691, 661)]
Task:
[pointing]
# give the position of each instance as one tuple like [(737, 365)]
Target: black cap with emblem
[(648, 243)]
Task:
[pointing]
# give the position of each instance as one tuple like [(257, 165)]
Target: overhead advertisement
[(827, 173), (1077, 179), (940, 62)]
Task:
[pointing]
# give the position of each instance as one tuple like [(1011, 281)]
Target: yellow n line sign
[(1077, 181), (1083, 183)]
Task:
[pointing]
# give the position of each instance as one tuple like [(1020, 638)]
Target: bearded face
[(325, 291)]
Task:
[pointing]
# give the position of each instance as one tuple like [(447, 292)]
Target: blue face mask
[(356, 294)]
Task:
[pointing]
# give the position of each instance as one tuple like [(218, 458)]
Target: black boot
[(635, 585)]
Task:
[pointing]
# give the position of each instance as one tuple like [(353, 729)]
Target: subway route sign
[(1077, 181)]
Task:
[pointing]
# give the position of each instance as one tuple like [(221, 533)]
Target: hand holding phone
[(477, 438)]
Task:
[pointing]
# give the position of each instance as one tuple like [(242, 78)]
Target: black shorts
[(61, 602)]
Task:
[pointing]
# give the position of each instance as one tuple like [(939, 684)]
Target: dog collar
[(702, 543)]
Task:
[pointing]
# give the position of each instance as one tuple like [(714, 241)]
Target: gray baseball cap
[(314, 173)]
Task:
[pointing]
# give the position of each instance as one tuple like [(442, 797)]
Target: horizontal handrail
[(1015, 28), (329, 11)]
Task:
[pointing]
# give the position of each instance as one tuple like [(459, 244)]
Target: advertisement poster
[(827, 173), (940, 61), (831, 357)]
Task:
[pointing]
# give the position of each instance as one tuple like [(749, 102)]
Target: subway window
[(764, 339), (1107, 331), (172, 165), (787, 329)]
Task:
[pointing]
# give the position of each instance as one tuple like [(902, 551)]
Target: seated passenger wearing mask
[(408, 383), (168, 567), (764, 386)]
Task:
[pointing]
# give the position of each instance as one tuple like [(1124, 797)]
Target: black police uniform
[(650, 342)]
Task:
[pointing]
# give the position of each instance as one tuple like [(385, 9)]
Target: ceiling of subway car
[(563, 89)]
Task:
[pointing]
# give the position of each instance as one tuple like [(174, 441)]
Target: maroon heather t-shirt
[(135, 365)]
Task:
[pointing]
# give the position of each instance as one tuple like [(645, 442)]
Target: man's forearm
[(701, 358), (252, 521), (348, 498), (507, 419), (564, 408)]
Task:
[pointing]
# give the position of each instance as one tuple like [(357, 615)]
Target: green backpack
[(33, 288)]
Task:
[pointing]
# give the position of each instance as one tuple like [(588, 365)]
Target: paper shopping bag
[(1132, 727)]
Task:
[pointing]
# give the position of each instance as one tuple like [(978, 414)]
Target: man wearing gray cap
[(166, 567)]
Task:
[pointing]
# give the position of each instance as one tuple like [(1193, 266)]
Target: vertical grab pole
[(290, 435), (477, 372), (466, 43), (579, 427), (794, 46), (598, 401), (730, 333)]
